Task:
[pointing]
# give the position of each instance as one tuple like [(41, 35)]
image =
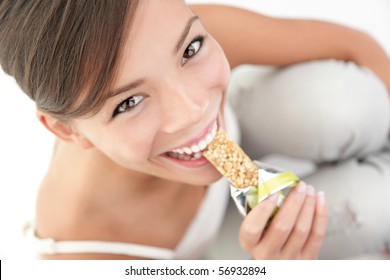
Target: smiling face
[(168, 97)]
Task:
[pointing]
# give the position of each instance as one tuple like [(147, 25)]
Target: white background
[(25, 146)]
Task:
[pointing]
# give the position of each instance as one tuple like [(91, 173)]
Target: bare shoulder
[(59, 213), (65, 209), (62, 216)]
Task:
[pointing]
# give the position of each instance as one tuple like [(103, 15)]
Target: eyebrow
[(179, 44), (128, 87), (185, 32)]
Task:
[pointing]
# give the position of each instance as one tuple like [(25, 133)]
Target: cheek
[(134, 140), (215, 69), (221, 65), (127, 143)]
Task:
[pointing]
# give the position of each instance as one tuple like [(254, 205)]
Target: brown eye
[(192, 49), (128, 104)]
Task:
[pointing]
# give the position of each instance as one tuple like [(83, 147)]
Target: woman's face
[(168, 97)]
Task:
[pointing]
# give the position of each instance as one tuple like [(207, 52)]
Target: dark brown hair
[(64, 53)]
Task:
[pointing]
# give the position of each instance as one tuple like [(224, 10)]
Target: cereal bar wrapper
[(270, 181), (251, 181)]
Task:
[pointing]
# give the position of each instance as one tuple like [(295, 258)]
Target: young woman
[(134, 90)]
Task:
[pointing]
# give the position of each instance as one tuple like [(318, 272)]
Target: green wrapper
[(271, 181)]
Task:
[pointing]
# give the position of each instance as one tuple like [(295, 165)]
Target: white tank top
[(198, 237)]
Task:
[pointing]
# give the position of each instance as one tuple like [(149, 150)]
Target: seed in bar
[(231, 161)]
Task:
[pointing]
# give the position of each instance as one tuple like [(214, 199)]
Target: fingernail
[(310, 190), (301, 188), (321, 197)]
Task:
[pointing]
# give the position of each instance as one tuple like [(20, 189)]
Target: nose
[(183, 106)]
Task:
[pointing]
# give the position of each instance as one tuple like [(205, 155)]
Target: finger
[(295, 242), (283, 222), (317, 233), (254, 223)]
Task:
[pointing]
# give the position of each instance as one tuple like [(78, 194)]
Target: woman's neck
[(84, 188), (94, 172)]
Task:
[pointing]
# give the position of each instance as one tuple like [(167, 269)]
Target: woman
[(126, 86)]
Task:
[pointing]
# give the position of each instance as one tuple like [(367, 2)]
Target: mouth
[(192, 151)]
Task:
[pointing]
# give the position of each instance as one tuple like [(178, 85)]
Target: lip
[(199, 136), (194, 163), (197, 163)]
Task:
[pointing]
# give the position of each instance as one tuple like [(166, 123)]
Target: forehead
[(155, 31)]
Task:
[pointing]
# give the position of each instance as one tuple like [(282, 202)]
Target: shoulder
[(62, 216), (64, 204), (59, 213)]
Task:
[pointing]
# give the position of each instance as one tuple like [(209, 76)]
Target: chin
[(204, 179)]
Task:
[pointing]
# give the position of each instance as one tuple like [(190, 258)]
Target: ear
[(63, 130)]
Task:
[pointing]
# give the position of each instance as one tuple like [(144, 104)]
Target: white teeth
[(195, 150), (214, 130), (203, 144), (197, 155), (187, 150)]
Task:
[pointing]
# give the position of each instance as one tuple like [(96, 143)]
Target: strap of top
[(50, 246)]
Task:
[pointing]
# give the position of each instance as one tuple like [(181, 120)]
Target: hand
[(296, 232)]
